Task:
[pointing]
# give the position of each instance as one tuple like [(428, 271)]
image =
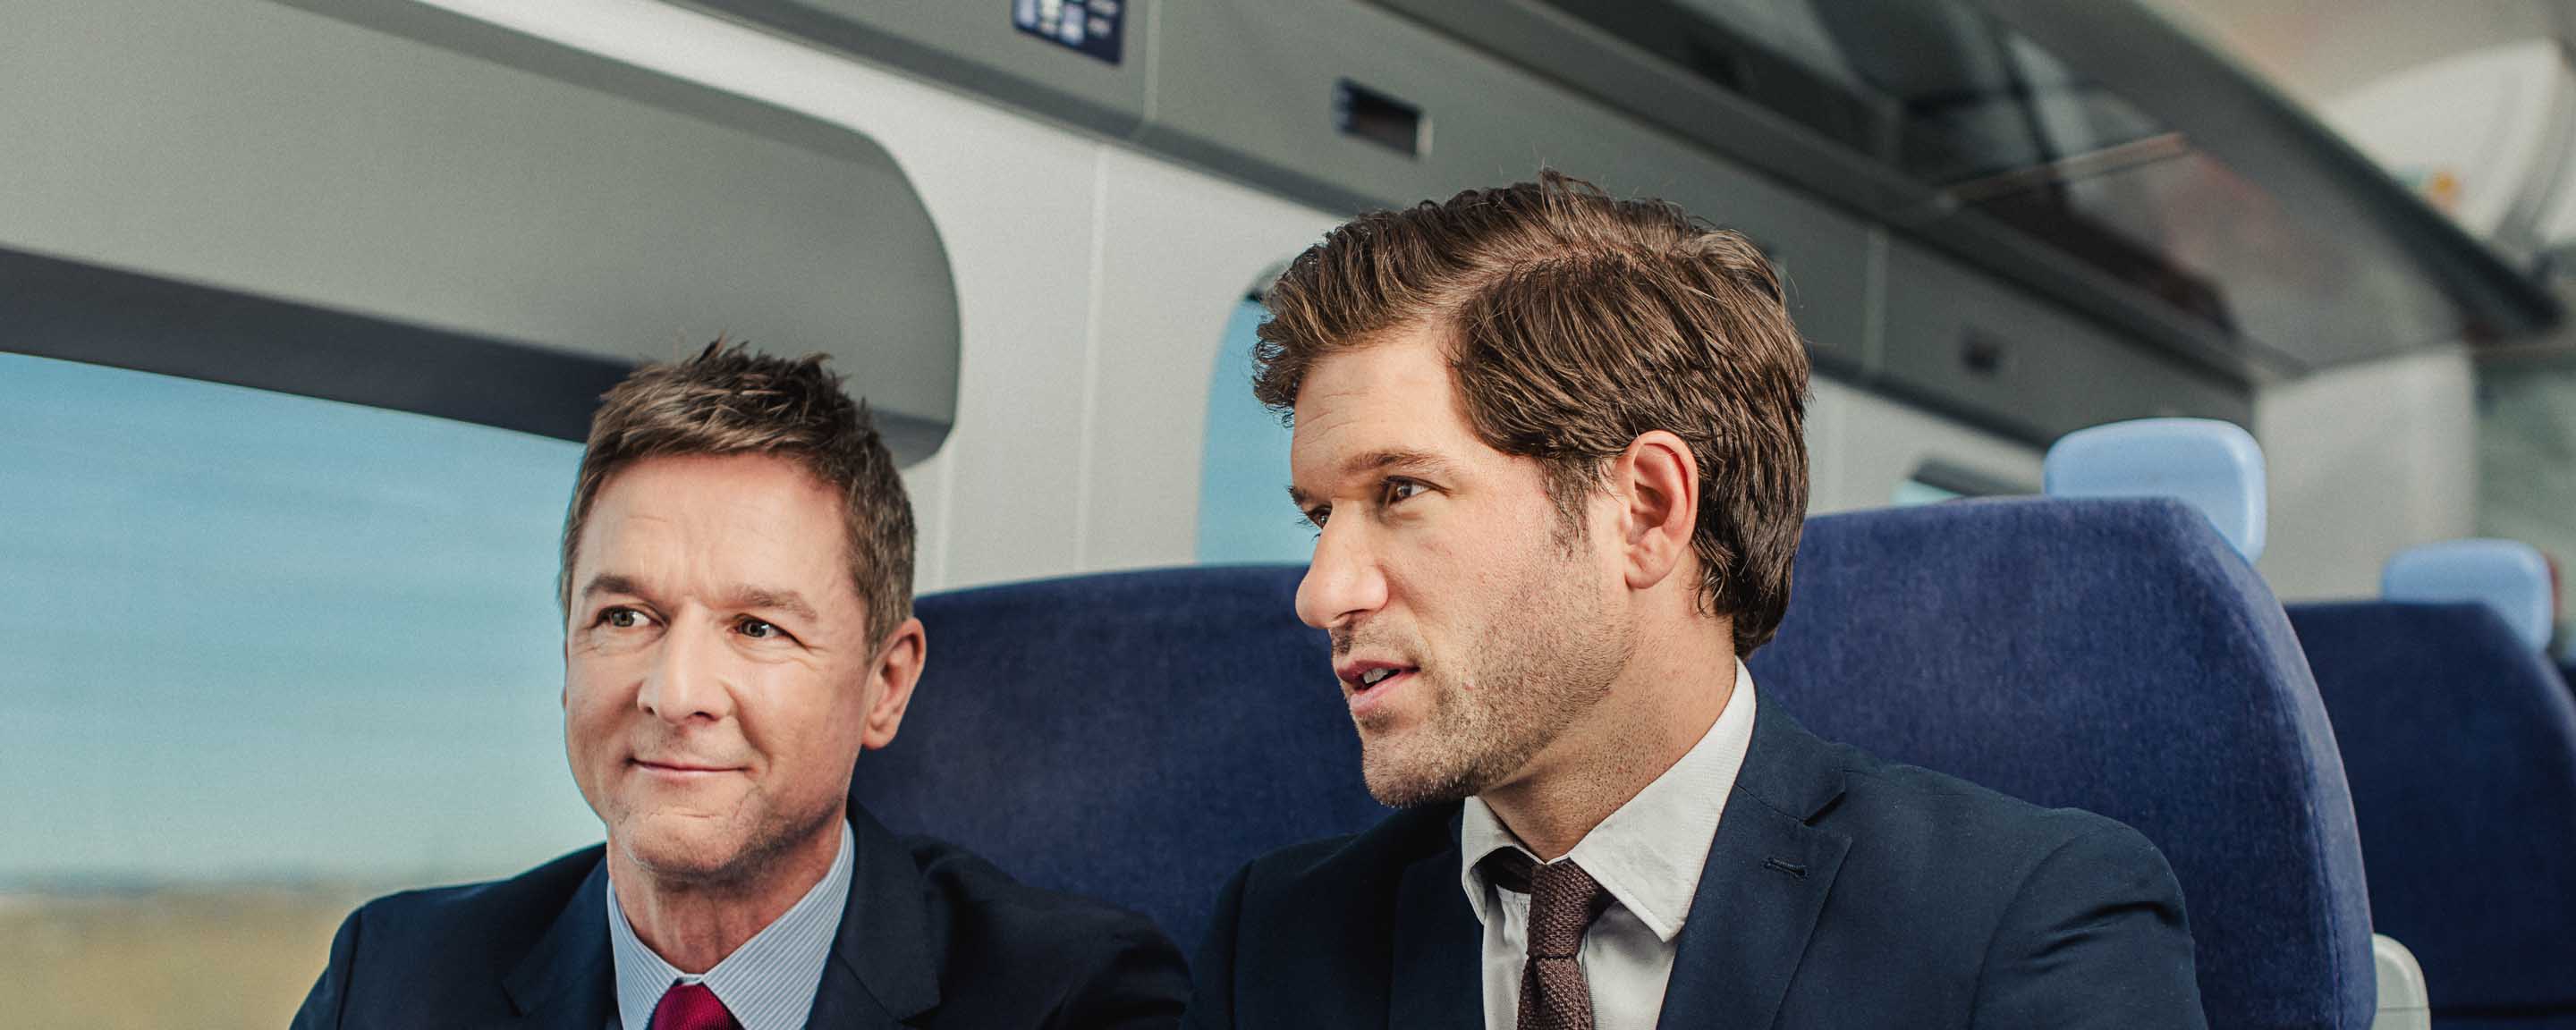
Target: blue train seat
[(1133, 736), (2460, 744), (2109, 654), (2116, 655)]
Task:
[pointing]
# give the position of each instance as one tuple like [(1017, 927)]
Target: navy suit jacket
[(1839, 892), (931, 937)]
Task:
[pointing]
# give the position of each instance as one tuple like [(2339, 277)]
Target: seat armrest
[(2403, 1003)]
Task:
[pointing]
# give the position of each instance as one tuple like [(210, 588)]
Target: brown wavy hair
[(730, 400), (1577, 322)]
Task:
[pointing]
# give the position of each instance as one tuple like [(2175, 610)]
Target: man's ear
[(897, 669), (1657, 482)]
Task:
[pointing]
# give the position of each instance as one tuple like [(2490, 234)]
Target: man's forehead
[(760, 492), (747, 517), (1392, 374), (1412, 356)]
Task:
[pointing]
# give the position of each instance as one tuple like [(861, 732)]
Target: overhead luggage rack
[(380, 202), (2091, 150)]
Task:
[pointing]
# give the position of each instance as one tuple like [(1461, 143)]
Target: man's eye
[(1315, 517), (1401, 489), (621, 618), (758, 630)]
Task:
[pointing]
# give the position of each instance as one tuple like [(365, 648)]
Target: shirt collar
[(768, 984), (1649, 853)]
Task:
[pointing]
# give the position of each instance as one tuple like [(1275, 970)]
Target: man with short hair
[(1551, 443), (737, 586)]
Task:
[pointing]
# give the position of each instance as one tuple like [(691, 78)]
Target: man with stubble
[(1551, 442), (737, 587)]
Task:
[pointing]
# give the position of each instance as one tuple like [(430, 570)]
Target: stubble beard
[(1545, 658)]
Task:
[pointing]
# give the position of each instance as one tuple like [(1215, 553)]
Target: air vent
[(1378, 118)]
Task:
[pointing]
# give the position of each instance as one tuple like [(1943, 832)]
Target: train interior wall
[(1096, 285)]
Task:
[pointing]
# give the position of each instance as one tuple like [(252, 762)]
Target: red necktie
[(692, 1007)]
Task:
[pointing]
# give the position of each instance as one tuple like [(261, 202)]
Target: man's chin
[(683, 848), (1399, 780)]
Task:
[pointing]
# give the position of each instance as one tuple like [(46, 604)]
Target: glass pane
[(2192, 232), (2527, 467), (1244, 514), (266, 656)]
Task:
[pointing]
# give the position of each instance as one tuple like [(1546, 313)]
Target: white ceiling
[(2315, 50)]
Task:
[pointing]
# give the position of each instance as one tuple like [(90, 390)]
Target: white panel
[(1876, 443), (1828, 403), (2365, 461), (1178, 252), (926, 482), (1014, 201), (1014, 454), (2491, 124), (2316, 52)]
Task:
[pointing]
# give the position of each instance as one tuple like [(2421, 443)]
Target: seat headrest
[(2215, 467), (2508, 575)]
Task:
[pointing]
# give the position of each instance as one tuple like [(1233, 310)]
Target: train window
[(1244, 514), (1936, 480), (1912, 492), (266, 656), (2526, 475)]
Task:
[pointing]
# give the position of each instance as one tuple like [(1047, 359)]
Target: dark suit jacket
[(1840, 892), (932, 937)]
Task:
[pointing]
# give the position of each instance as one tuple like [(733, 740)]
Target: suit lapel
[(565, 981), (1764, 883), (886, 961), (1438, 981)]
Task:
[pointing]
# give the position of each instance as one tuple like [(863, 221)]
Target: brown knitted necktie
[(1564, 901)]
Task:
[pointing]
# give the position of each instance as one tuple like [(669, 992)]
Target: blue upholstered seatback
[(1135, 737), (2460, 742), (2116, 656)]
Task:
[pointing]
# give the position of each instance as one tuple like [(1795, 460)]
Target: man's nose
[(1343, 582), (687, 680)]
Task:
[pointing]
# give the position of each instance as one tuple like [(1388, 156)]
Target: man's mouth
[(681, 766), (1366, 680)]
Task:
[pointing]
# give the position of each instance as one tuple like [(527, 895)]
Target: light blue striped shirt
[(768, 983)]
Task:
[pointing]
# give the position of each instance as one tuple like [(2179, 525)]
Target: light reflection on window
[(1244, 513)]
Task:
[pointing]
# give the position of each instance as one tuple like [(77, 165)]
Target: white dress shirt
[(1647, 856), (768, 983)]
